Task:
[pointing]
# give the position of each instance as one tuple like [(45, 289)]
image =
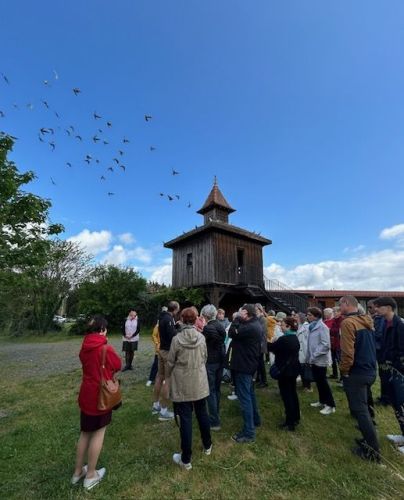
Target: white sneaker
[(208, 451), (99, 475), (178, 461), (327, 410), (401, 449), (166, 415), (149, 383), (75, 479), (396, 439), (317, 405), (232, 397), (155, 409)]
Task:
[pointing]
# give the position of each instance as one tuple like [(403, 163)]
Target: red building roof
[(355, 293)]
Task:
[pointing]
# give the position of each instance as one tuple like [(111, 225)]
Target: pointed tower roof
[(215, 199)]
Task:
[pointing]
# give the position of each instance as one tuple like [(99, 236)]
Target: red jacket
[(335, 326), (90, 357)]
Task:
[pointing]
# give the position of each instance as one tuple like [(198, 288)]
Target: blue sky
[(296, 106)]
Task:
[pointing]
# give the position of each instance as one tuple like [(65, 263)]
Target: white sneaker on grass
[(327, 410), (99, 475), (156, 409), (232, 396), (401, 449), (208, 451), (149, 383), (397, 439), (166, 415), (178, 461), (76, 479), (316, 405)]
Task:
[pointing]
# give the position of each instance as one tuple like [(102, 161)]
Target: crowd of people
[(195, 352)]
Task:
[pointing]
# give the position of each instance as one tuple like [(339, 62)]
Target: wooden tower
[(223, 259)]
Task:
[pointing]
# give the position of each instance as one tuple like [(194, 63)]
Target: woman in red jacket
[(93, 422)]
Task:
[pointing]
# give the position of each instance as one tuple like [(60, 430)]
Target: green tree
[(111, 291)]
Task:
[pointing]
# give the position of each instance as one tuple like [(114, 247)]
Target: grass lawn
[(40, 425)]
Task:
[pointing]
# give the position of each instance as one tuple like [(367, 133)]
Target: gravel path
[(26, 360)]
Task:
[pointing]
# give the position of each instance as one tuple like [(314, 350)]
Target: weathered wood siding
[(202, 270)]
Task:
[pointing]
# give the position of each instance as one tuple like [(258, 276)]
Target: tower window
[(189, 259), (240, 258)]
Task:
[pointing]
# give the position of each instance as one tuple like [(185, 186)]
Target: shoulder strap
[(103, 356)]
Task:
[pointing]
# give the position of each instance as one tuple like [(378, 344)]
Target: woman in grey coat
[(189, 386), (318, 355)]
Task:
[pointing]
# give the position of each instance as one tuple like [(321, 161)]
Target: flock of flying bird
[(47, 135)]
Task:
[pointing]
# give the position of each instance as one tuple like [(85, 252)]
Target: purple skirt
[(91, 423)]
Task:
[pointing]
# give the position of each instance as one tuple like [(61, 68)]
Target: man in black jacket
[(392, 361), (244, 352), (215, 336), (167, 331)]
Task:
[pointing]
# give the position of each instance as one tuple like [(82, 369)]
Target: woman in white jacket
[(319, 357), (302, 336)]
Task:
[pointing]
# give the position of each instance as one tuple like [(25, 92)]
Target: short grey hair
[(209, 312), (328, 312)]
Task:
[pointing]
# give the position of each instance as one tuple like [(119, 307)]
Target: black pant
[(183, 417), (261, 373), (287, 388), (154, 368), (324, 390), (357, 389), (384, 386), (336, 358), (396, 394)]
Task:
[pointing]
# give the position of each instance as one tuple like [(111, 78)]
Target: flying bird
[(89, 157), (109, 124), (152, 148), (5, 79), (87, 160), (125, 141), (76, 91), (116, 160), (71, 128), (68, 132), (122, 167), (161, 194), (45, 82), (110, 194), (111, 169), (51, 130), (95, 139), (53, 182), (15, 105), (120, 152), (68, 164), (44, 130), (52, 145), (105, 142), (177, 196), (57, 114), (2, 115), (100, 131), (174, 172), (148, 117), (189, 204), (97, 160), (96, 117), (78, 137), (102, 178), (170, 198), (40, 138), (45, 104)]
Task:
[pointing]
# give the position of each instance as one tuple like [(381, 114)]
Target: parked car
[(59, 319)]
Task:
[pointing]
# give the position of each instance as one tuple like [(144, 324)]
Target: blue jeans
[(214, 371), (246, 396)]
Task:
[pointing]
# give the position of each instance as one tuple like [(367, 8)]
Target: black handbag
[(274, 372), (307, 373)]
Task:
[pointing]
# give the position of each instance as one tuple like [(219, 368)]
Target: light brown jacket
[(187, 366)]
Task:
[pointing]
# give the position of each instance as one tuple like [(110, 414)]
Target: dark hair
[(173, 306), (97, 324), (315, 311), (291, 323), (385, 301), (188, 315), (250, 308)]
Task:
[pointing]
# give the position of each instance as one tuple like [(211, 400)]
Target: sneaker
[(237, 438), (75, 479), (307, 389), (327, 410), (90, 483), (232, 397), (397, 439), (208, 451), (149, 383), (155, 409), (178, 461), (371, 455), (166, 415), (401, 449), (215, 427), (316, 405)]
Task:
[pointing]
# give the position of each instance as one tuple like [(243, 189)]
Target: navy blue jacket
[(245, 347), (392, 350), (167, 330)]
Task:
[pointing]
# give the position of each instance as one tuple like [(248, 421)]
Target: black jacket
[(286, 350), (245, 347), (215, 335), (392, 349), (167, 330)]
